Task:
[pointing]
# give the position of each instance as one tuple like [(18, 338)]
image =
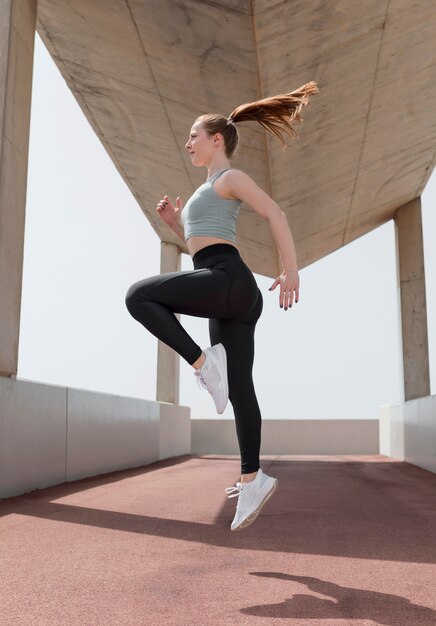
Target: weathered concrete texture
[(344, 541), (410, 255), (17, 32), (143, 71), (168, 360)]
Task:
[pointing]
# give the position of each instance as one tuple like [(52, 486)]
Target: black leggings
[(222, 288)]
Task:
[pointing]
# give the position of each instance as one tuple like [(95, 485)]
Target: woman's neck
[(216, 170)]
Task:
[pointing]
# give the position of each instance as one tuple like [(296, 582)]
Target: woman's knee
[(136, 293), (139, 291), (131, 296)]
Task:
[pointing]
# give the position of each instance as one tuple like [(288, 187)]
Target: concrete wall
[(409, 247), (51, 434), (17, 33), (408, 431), (420, 432), (290, 436), (391, 421)]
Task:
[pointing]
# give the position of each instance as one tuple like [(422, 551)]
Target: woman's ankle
[(199, 362), (247, 478)]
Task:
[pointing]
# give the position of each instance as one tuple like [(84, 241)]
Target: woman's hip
[(223, 287), (243, 294)]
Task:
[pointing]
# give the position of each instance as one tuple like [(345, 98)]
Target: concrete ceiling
[(143, 70)]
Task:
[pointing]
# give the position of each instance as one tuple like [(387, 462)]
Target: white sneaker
[(252, 496), (212, 375)]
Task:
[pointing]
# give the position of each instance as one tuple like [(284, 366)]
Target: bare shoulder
[(237, 176), (232, 181), (239, 185)]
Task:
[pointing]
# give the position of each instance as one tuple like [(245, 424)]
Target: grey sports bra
[(209, 215)]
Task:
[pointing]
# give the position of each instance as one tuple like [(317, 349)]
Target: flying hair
[(276, 114)]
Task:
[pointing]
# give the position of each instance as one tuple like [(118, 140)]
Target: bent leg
[(154, 300)]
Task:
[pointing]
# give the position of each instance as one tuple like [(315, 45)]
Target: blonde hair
[(275, 114)]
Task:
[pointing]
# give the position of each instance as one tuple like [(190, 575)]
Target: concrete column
[(17, 35), (411, 277), (168, 360)]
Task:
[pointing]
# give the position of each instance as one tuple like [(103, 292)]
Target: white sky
[(333, 355)]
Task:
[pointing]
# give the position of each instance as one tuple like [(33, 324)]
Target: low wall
[(51, 434), (408, 431), (322, 436)]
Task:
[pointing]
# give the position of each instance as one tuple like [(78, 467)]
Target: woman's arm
[(177, 227), (171, 215), (241, 186), (283, 237)]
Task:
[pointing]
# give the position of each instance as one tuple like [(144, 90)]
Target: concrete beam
[(168, 360), (17, 35), (411, 278)]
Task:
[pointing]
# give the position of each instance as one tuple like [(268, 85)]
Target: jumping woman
[(221, 286)]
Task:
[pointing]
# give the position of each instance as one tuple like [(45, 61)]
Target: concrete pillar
[(17, 35), (168, 360), (411, 277)]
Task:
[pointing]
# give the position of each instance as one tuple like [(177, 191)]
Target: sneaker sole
[(222, 358), (251, 518)]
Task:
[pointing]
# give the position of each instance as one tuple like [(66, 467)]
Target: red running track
[(345, 540)]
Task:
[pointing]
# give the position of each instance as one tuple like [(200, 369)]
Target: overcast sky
[(335, 354)]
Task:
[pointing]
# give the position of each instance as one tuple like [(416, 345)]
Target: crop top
[(209, 215)]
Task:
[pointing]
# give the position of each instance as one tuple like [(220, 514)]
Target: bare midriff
[(197, 243)]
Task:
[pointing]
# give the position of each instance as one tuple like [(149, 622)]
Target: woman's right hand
[(167, 211)]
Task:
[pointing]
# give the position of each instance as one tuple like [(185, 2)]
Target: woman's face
[(200, 146)]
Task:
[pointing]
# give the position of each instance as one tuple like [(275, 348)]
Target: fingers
[(289, 298), (286, 297), (285, 300), (163, 203)]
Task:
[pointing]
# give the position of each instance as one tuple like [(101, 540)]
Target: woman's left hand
[(289, 283)]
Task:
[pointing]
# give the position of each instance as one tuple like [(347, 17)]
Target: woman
[(222, 287)]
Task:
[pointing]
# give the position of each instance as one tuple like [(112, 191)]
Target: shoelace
[(230, 489), (239, 488), (201, 381)]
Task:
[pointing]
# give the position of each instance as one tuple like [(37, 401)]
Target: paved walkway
[(344, 540)]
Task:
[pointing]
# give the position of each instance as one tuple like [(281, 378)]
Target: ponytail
[(276, 113)]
